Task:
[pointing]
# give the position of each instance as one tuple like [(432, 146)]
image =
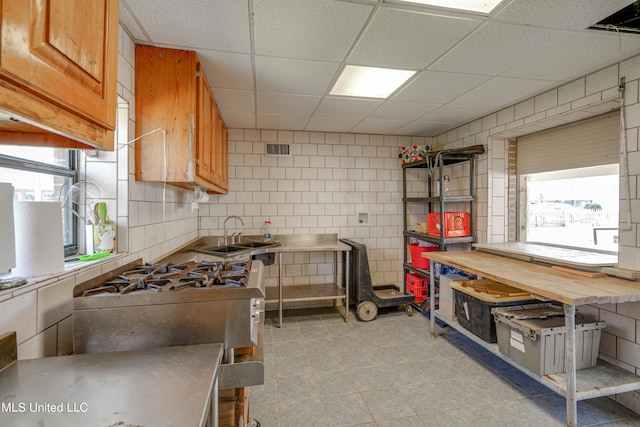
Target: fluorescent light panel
[(369, 82), (483, 6)]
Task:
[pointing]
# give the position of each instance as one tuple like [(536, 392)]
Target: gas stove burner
[(176, 277)]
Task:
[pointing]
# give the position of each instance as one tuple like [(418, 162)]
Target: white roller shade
[(591, 142)]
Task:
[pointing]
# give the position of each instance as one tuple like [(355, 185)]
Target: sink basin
[(222, 249), (231, 249), (253, 244)]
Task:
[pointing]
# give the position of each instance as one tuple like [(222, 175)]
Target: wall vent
[(278, 150)]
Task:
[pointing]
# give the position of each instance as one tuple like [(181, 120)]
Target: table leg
[(570, 363), (345, 270), (213, 410), (280, 291), (432, 300)]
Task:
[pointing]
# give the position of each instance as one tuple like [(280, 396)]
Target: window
[(43, 174), (576, 207), (568, 181)]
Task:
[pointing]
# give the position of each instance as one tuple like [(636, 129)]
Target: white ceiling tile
[(425, 128), (567, 59), (226, 69), (378, 127), (531, 45), (565, 14), (439, 88), (333, 106), (220, 25), (403, 111), (279, 103), (234, 100), (404, 39), (501, 91), (331, 124), (282, 121), (497, 47), (294, 76), (307, 29), (239, 120), (456, 113)]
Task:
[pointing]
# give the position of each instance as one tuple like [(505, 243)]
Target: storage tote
[(474, 300), (533, 335)]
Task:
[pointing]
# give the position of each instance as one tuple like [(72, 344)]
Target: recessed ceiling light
[(369, 82), (483, 6)]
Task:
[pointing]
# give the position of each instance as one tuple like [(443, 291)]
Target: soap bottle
[(266, 231), (104, 232)]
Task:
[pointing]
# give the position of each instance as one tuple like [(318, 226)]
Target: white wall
[(320, 188)]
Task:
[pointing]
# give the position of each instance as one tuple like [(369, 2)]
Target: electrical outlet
[(363, 218)]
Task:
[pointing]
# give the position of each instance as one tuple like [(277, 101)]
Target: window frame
[(71, 172)]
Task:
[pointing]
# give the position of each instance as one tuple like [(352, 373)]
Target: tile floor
[(321, 371)]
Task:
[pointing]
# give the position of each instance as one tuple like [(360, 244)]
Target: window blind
[(590, 142)]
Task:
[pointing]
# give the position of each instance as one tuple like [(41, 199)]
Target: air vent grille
[(278, 150)]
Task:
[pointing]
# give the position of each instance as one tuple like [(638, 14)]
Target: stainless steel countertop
[(285, 243), (169, 386), (570, 257), (308, 243)]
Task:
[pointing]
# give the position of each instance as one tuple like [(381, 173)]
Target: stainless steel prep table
[(169, 386), (313, 292), (569, 289)]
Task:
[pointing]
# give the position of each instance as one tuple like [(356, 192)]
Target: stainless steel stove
[(159, 305)]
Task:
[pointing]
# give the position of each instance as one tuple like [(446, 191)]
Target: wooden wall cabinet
[(172, 93), (58, 72)]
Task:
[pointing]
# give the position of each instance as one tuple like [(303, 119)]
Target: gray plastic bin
[(533, 335)]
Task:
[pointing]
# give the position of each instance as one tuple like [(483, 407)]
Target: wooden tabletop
[(541, 280)]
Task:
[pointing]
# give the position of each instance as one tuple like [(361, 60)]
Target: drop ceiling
[(272, 63)]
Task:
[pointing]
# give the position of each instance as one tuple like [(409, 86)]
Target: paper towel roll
[(7, 234), (39, 238)]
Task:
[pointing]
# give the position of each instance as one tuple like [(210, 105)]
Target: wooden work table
[(542, 280), (548, 283)]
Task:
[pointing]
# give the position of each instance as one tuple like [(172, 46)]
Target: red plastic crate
[(417, 260), (418, 286), (456, 224)]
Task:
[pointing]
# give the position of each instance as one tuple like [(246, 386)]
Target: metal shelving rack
[(436, 162)]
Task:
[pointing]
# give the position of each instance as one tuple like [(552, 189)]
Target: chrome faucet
[(225, 227)]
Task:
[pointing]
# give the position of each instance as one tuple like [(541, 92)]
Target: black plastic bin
[(474, 306)]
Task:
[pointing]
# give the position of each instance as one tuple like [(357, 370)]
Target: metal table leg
[(570, 363), (432, 300), (280, 290), (345, 270)]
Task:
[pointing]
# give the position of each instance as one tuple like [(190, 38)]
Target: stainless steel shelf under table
[(312, 292)]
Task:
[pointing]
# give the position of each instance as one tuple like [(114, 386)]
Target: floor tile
[(390, 372), (387, 404), (304, 412), (296, 387), (346, 409)]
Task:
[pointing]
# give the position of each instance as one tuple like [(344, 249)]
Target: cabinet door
[(166, 92), (64, 51), (221, 150), (205, 128)]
